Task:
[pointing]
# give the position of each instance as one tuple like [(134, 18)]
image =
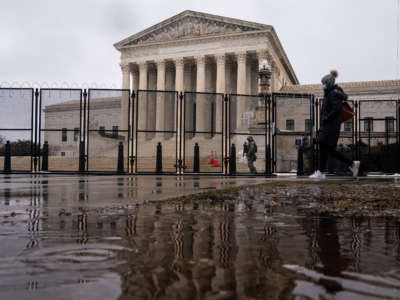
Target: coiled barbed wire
[(56, 85)]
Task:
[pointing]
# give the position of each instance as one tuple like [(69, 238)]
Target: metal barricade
[(108, 130), (249, 117), (378, 135), (156, 125), (288, 134), (60, 125), (203, 132), (17, 124)]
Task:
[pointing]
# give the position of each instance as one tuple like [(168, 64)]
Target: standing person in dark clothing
[(251, 154), (331, 115)]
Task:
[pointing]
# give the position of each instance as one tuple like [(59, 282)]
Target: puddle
[(248, 248)]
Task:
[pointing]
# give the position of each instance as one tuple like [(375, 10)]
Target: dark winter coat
[(251, 152), (331, 115)]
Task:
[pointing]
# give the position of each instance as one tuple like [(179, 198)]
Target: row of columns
[(140, 81)]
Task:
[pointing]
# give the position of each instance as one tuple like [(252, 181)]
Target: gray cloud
[(71, 41)]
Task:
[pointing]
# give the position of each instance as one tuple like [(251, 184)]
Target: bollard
[(232, 161), (159, 158), (45, 157), (268, 161), (7, 158), (196, 162), (120, 168), (300, 161), (82, 156)]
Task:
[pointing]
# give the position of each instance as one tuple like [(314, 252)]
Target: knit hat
[(329, 80)]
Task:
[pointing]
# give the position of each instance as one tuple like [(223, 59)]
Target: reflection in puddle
[(248, 248)]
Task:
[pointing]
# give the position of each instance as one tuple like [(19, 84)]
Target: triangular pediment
[(190, 24)]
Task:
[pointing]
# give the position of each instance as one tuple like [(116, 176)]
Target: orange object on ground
[(211, 161)]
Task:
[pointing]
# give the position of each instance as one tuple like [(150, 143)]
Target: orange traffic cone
[(211, 158), (216, 163)]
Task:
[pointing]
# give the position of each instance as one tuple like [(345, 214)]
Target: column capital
[(125, 67), (221, 59), (179, 62), (160, 63), (200, 60), (142, 65), (241, 57)]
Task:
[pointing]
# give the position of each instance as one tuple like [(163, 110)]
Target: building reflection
[(198, 250)]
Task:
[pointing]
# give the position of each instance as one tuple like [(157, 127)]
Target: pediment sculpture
[(190, 27)]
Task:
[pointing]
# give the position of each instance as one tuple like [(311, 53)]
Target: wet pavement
[(103, 237)]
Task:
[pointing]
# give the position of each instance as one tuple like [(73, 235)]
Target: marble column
[(160, 114), (179, 80), (135, 79), (200, 87), (241, 87), (125, 97), (221, 84), (188, 103), (151, 101), (274, 77), (142, 109), (179, 87)]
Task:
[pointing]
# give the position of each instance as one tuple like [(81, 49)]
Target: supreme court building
[(201, 53)]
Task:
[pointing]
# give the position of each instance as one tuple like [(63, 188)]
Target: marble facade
[(202, 53)]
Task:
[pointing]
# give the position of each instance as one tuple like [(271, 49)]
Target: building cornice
[(73, 105), (351, 88)]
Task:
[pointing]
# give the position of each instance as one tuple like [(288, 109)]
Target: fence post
[(7, 158), (82, 156), (232, 161), (268, 161), (196, 162), (300, 161), (159, 158), (120, 168), (36, 151), (45, 157)]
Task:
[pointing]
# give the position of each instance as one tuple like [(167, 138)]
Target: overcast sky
[(72, 41)]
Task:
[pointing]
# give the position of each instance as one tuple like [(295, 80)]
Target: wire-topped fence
[(164, 132)]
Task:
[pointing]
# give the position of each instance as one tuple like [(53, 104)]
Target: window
[(76, 134), (290, 124), (369, 124), (62, 153), (102, 131), (308, 125), (64, 134), (389, 124), (348, 125), (115, 131)]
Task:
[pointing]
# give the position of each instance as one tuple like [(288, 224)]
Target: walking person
[(330, 120), (251, 154)]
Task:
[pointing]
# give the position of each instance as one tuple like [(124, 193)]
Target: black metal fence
[(203, 133), (294, 127), (163, 132), (249, 116)]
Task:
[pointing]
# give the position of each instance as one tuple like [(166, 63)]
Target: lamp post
[(264, 77)]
